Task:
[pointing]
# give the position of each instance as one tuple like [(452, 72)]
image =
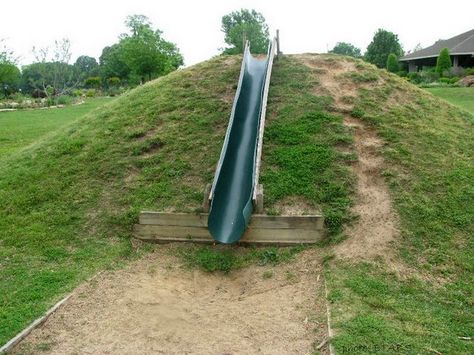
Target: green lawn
[(20, 128), (462, 97)]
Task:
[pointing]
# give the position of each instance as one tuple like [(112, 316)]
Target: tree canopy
[(383, 43), (51, 73), (112, 63), (10, 75), (86, 67), (144, 50), (243, 25), (344, 48)]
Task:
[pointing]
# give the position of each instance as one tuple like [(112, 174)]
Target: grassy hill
[(67, 203)]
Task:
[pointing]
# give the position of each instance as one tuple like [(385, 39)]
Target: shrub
[(91, 93), (77, 93), (63, 100), (429, 76), (444, 80), (113, 81), (456, 72), (50, 101), (414, 77), (392, 63), (469, 71), (402, 73), (443, 63), (454, 79), (17, 97), (93, 82)]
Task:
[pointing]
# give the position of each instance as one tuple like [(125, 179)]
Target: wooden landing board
[(263, 229)]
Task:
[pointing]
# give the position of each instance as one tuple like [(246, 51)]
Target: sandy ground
[(155, 306)]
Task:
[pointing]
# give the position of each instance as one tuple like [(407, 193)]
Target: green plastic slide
[(232, 190)]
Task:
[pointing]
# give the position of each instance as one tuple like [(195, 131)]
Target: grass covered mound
[(68, 202)]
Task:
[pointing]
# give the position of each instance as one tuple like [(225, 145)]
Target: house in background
[(461, 49)]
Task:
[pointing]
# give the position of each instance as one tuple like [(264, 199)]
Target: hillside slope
[(403, 280), (67, 205)]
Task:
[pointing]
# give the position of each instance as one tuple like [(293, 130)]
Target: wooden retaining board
[(263, 229)]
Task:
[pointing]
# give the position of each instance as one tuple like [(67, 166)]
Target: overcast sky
[(305, 26)]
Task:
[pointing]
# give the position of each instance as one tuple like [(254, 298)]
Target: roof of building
[(460, 44)]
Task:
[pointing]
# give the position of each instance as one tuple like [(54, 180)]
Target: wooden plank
[(256, 221), (174, 219), (201, 235), (7, 347)]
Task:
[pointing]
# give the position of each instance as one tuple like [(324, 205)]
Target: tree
[(86, 67), (443, 63), (112, 63), (51, 73), (49, 78), (383, 43), (144, 50), (9, 73), (243, 25), (348, 49), (417, 48), (392, 63), (10, 78)]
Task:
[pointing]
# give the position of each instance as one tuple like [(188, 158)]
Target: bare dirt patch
[(157, 306), (295, 206), (327, 71), (377, 226)]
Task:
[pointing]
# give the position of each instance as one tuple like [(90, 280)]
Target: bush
[(91, 93), (444, 80), (392, 63), (454, 79), (63, 100), (443, 63), (414, 77), (17, 97), (50, 101), (455, 72), (469, 71), (402, 73), (113, 81), (93, 82), (429, 76), (77, 93)]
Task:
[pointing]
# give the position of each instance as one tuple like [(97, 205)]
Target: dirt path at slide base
[(156, 306)]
